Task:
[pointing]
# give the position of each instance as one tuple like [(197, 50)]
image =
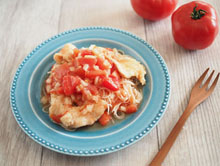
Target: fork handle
[(158, 159)]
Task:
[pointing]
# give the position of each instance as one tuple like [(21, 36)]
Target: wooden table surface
[(24, 24)]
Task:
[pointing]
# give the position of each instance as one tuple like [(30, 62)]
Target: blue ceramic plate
[(26, 91)]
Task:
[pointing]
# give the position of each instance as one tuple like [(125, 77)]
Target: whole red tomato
[(195, 25), (154, 9)]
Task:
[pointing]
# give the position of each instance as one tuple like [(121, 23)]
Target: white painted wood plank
[(198, 144), (24, 24)]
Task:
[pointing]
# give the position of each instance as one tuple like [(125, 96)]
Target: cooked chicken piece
[(76, 116), (65, 54), (59, 104), (129, 67)]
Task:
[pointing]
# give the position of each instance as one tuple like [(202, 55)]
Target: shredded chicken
[(129, 67), (76, 116)]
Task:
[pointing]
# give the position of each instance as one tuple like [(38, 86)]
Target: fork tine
[(202, 77), (214, 84), (208, 80)]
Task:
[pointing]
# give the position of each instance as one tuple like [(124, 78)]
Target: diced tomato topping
[(101, 64), (75, 63), (56, 118), (116, 74), (69, 84), (76, 52), (92, 89), (110, 49), (94, 73), (111, 83), (114, 68), (61, 71), (115, 79), (79, 72), (131, 108), (110, 62), (59, 90), (105, 119), (89, 88), (86, 52), (87, 60)]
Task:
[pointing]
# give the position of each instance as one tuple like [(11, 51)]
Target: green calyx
[(197, 14)]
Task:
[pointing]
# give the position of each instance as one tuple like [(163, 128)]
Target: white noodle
[(121, 115)]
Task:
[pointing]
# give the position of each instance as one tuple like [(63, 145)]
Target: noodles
[(119, 115), (128, 92)]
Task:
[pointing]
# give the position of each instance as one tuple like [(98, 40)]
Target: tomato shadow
[(159, 35)]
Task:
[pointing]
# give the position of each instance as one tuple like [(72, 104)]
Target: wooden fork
[(198, 94)]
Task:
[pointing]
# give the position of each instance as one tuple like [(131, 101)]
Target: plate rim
[(101, 151)]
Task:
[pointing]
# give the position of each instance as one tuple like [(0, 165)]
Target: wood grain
[(197, 143), (22, 28), (25, 24)]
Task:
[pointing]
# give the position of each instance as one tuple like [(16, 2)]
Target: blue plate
[(26, 91)]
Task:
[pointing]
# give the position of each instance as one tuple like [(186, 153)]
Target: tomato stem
[(197, 14)]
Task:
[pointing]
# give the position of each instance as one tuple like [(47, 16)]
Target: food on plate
[(89, 85), (195, 25), (154, 9)]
